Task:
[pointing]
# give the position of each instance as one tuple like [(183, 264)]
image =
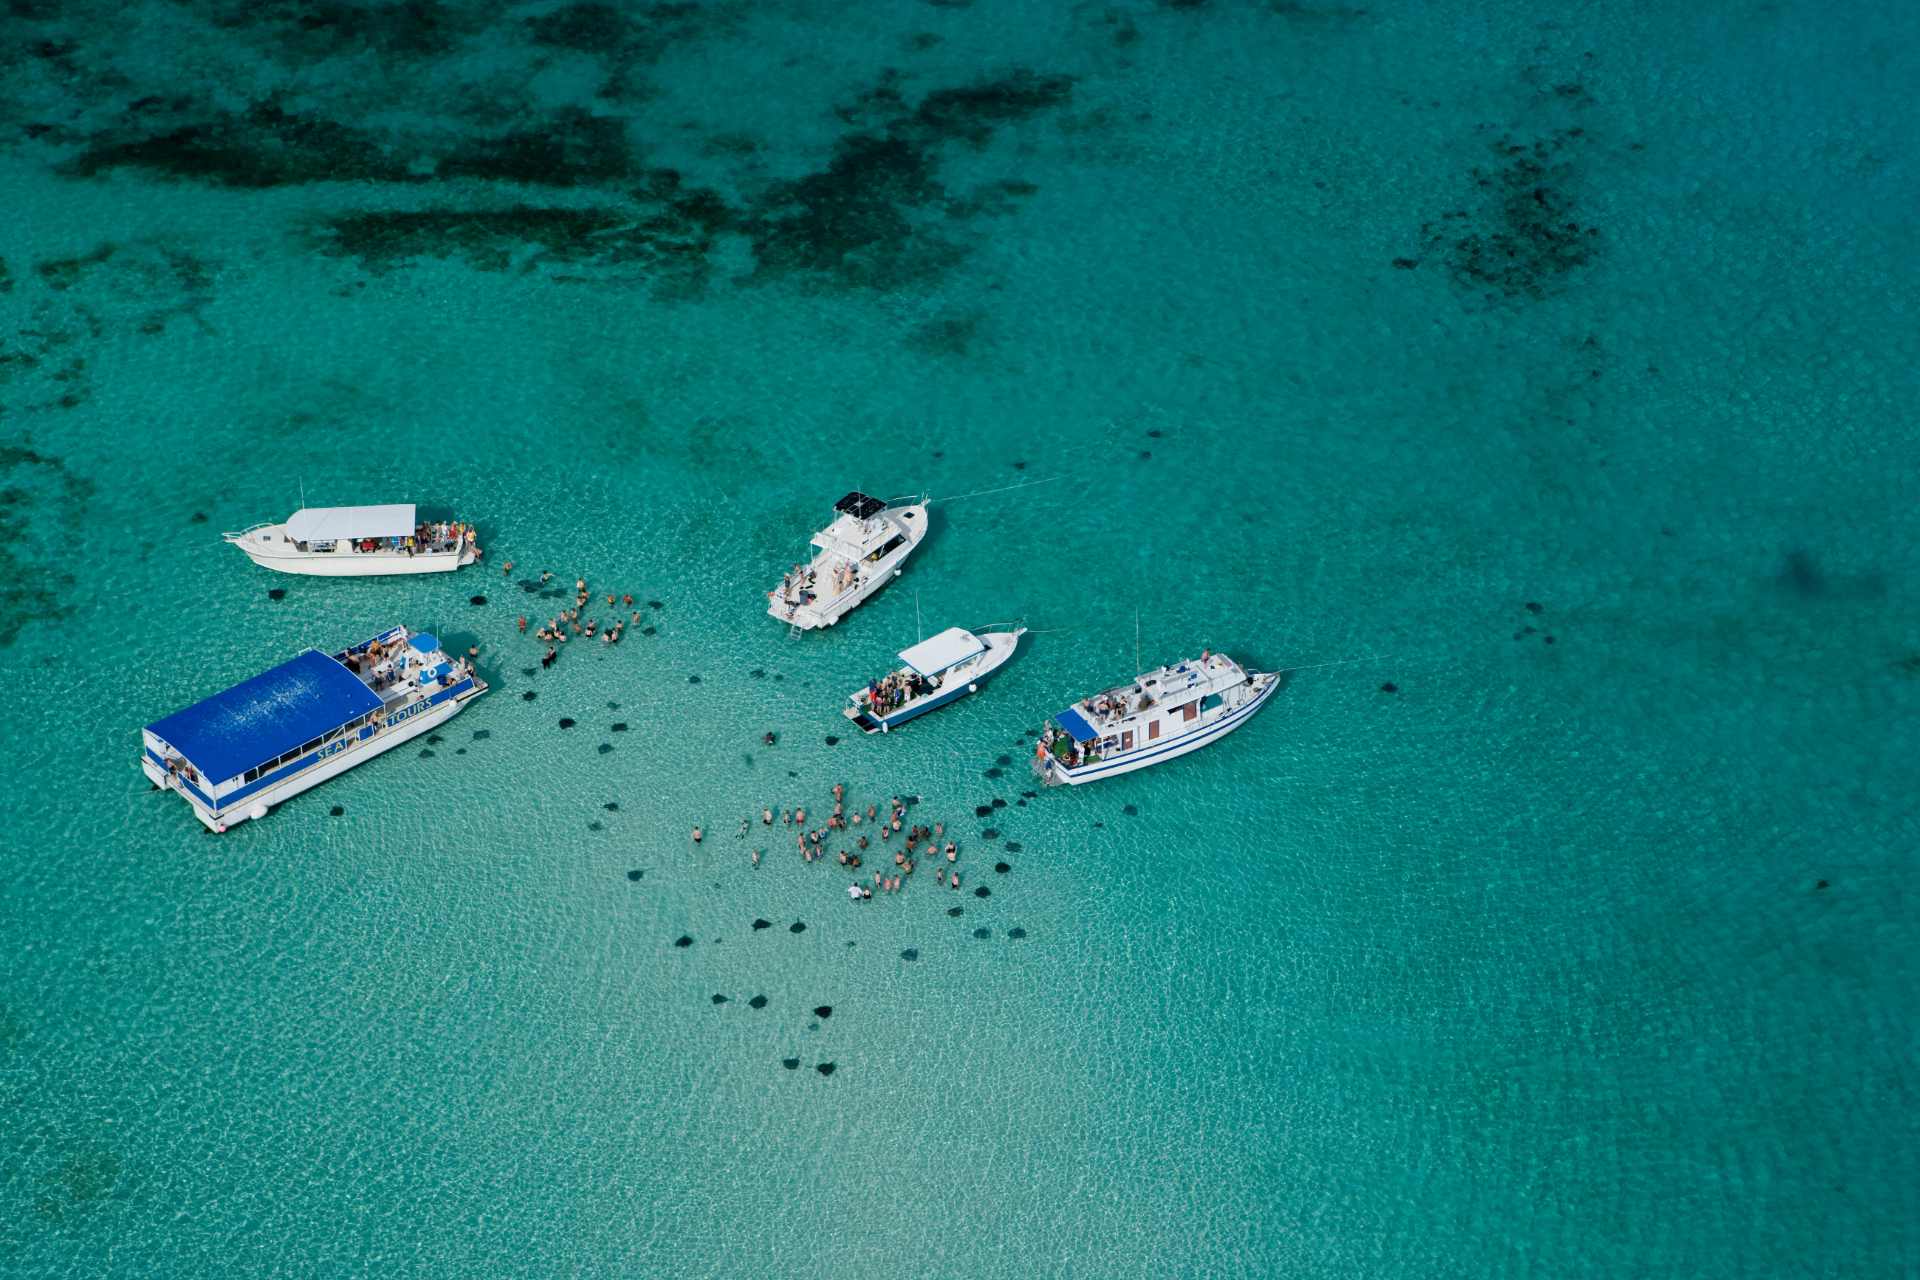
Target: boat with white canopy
[(356, 542), (854, 557), (234, 755), (938, 670), (1161, 715)]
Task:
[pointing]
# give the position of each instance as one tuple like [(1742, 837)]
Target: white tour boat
[(857, 554), (939, 670), (357, 542), (1162, 714), (237, 754)]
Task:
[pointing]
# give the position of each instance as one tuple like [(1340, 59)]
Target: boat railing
[(250, 529)]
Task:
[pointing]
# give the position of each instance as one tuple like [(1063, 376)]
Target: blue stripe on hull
[(957, 692)]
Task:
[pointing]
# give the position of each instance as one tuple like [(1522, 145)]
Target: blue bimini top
[(1076, 725), (264, 718)]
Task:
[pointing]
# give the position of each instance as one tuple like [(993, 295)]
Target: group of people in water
[(569, 622), (850, 827)]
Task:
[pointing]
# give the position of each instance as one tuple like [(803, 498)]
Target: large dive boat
[(939, 670), (1162, 714), (855, 556), (358, 542), (237, 754)]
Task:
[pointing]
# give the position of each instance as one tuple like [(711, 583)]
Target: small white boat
[(235, 755), (357, 542), (855, 556), (1161, 715), (936, 671)]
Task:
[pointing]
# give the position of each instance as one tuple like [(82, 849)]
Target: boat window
[(310, 746), (1208, 703), (249, 775), (1126, 740), (1189, 711), (1153, 730), (887, 547)]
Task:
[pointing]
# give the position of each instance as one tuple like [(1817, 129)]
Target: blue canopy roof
[(267, 716), (424, 643), (1076, 725)]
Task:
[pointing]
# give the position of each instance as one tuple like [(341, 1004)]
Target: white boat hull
[(911, 523), (269, 548), (1152, 753), (359, 753)]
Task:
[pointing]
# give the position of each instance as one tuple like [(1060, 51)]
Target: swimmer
[(839, 791), (842, 857), (909, 866), (896, 824), (786, 816), (506, 568), (955, 882), (862, 842), (939, 828), (951, 855), (768, 738), (856, 817), (627, 600), (756, 857), (799, 815), (546, 575), (609, 598), (698, 835), (744, 824), (766, 817), (523, 624), (872, 809), (899, 859)]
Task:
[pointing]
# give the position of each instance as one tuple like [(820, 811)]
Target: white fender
[(258, 812), (973, 688)]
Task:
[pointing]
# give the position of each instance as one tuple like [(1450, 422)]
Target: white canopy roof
[(333, 524), (932, 656)]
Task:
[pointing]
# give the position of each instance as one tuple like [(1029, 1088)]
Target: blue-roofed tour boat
[(237, 754), (1161, 715), (359, 542), (939, 670)]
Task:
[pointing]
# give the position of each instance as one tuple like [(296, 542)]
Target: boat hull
[(911, 524), (238, 811), (336, 564), (1053, 771), (1001, 646)]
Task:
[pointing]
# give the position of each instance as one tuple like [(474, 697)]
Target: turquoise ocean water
[(1314, 332)]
